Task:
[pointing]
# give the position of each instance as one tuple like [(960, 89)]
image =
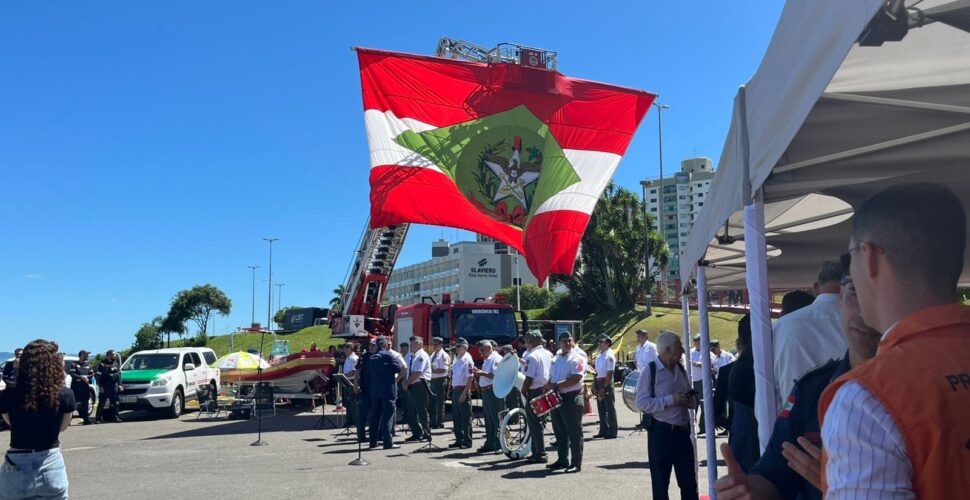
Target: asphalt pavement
[(188, 458)]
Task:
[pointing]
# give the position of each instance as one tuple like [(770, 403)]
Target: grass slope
[(300, 339), (622, 325)]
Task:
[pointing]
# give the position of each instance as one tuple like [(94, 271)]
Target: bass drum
[(630, 390), (514, 434)]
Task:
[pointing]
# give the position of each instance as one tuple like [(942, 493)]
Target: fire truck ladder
[(375, 258)]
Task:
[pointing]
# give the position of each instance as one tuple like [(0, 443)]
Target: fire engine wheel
[(514, 434)]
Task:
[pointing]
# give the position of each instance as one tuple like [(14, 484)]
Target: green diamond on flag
[(516, 153)]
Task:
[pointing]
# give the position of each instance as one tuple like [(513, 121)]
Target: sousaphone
[(514, 431)]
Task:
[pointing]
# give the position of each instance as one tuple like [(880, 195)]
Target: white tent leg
[(685, 304), (706, 372), (765, 407)]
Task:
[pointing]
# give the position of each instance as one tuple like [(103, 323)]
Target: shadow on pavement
[(628, 465), (280, 423), (535, 474)]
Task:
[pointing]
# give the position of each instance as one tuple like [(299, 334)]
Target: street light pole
[(258, 396), (279, 298), (661, 198), (253, 269)]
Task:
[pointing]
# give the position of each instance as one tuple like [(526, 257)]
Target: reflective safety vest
[(921, 375)]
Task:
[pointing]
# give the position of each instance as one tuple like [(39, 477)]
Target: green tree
[(611, 269), (338, 298), (148, 336), (533, 297), (278, 317), (196, 305)]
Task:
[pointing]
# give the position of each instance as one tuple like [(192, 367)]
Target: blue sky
[(148, 147)]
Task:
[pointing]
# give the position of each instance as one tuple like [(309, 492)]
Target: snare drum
[(545, 403)]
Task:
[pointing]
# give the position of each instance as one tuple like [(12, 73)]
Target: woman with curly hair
[(37, 410)]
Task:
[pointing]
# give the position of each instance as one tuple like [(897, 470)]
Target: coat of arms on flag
[(516, 153)]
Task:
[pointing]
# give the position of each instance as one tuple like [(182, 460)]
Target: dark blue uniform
[(363, 399), (799, 417), (382, 367)]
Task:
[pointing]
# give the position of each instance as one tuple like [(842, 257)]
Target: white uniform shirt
[(440, 360), (350, 364), (605, 363), (461, 370), (565, 366), (805, 339), (420, 362), (488, 366), (538, 360), (646, 353), (697, 371), (724, 359)]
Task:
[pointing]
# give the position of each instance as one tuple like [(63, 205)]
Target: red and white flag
[(516, 153)]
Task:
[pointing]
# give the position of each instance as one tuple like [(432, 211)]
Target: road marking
[(82, 448)]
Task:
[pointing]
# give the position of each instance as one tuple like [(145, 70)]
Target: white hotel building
[(466, 269), (683, 197)]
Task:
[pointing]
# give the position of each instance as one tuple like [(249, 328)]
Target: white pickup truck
[(164, 379)]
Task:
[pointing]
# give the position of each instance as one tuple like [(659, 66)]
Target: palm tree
[(338, 298)]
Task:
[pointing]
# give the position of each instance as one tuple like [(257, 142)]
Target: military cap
[(697, 338), (565, 335), (604, 338), (437, 340), (381, 341), (533, 335), (641, 331), (462, 341), (715, 342)]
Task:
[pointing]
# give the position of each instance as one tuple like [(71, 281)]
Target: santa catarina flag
[(516, 153)]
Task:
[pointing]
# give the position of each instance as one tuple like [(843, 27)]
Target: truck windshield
[(152, 362), (480, 324)]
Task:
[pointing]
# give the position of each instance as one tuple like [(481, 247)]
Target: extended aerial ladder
[(379, 248)]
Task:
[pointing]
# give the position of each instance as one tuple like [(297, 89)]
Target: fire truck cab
[(473, 321)]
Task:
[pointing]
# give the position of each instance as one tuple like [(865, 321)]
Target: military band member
[(461, 407), (566, 378), (81, 374), (537, 363), (491, 405), (403, 354), (605, 400), (350, 371), (419, 378), (362, 391), (440, 364), (514, 397)]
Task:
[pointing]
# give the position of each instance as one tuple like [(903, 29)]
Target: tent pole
[(756, 276), (685, 304), (706, 372)]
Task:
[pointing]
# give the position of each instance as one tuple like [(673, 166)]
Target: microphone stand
[(360, 459), (430, 447), (256, 395)]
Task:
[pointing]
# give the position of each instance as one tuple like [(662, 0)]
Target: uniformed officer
[(461, 408), (109, 383), (81, 373), (401, 408), (350, 371), (566, 378), (491, 405), (603, 388), (362, 390), (538, 360), (419, 378), (382, 370), (440, 365), (514, 397)]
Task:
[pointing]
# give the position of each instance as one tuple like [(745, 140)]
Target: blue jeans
[(33, 475)]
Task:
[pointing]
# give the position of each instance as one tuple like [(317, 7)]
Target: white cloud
[(34, 276)]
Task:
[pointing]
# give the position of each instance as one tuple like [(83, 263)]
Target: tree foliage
[(148, 336), (610, 271), (338, 298), (278, 317), (196, 305), (533, 297)]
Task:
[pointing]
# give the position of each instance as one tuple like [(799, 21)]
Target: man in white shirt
[(538, 361), (401, 404), (440, 364), (603, 389), (697, 375), (566, 378), (419, 376), (810, 336), (646, 350), (348, 394), (461, 407), (723, 358), (491, 405)]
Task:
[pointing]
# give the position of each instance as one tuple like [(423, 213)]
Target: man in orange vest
[(898, 426)]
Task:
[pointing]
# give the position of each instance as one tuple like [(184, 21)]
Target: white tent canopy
[(826, 115)]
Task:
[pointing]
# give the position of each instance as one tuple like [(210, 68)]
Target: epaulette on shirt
[(821, 373)]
